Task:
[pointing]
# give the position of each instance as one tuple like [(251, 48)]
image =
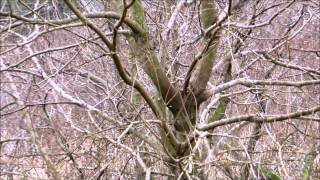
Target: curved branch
[(250, 82), (135, 27), (288, 65), (268, 22), (259, 118), (124, 74), (203, 69)]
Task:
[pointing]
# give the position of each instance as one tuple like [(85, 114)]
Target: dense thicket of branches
[(146, 89)]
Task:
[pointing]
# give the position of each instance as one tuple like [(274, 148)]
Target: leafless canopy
[(147, 89)]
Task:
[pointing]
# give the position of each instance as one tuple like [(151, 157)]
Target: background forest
[(147, 89)]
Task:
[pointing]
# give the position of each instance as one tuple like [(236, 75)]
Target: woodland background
[(146, 89)]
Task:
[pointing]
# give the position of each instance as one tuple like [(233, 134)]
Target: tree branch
[(124, 73), (203, 69), (259, 118), (135, 27), (250, 82)]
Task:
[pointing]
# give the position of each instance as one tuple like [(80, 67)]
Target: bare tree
[(132, 89)]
